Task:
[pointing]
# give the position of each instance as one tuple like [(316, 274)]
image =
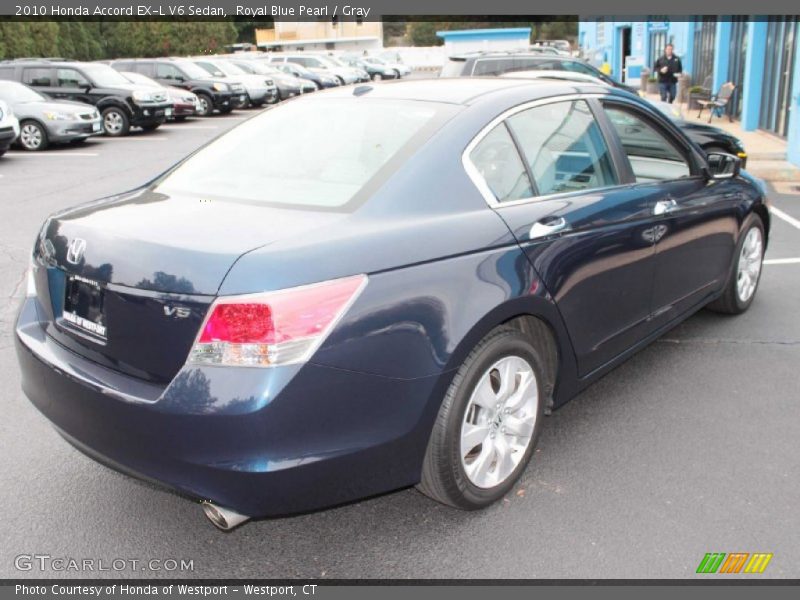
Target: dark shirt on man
[(673, 64)]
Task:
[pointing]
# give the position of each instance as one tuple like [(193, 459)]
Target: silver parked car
[(43, 121)]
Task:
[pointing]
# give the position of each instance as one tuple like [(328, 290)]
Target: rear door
[(695, 222), (551, 174)]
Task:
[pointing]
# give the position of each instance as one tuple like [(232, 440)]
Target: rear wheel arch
[(540, 325)]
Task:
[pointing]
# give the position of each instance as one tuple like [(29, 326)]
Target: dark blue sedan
[(377, 287)]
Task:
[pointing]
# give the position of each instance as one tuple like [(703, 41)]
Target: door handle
[(663, 207), (547, 226)]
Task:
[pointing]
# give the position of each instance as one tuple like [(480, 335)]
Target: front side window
[(70, 78), (563, 147), (166, 71), (498, 163), (576, 67), (652, 155), (329, 150)]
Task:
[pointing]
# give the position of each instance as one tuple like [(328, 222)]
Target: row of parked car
[(50, 101)]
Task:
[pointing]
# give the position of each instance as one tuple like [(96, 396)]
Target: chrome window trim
[(480, 182)]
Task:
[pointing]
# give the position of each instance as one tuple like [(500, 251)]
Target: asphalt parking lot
[(690, 447)]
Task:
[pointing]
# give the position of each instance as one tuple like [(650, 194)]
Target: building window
[(705, 35), (776, 88)]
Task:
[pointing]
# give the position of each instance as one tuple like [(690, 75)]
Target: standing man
[(667, 66)]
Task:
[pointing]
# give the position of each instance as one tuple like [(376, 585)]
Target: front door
[(588, 236), (71, 84), (695, 218)]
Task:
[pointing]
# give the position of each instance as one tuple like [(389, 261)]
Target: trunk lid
[(128, 280)]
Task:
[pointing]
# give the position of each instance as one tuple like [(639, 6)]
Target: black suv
[(121, 103), (496, 63), (212, 92)]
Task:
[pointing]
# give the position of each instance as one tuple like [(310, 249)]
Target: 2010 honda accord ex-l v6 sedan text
[(377, 287)]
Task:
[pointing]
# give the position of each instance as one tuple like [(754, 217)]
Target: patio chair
[(717, 104), (701, 92)]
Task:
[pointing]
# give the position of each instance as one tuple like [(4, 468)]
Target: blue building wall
[(601, 45)]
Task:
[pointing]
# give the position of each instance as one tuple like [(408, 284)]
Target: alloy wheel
[(499, 422), (31, 137), (205, 106), (113, 122), (749, 267)]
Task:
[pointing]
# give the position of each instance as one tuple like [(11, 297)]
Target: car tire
[(115, 122), (226, 111), (33, 136), (341, 80), (745, 274), (180, 119), (377, 77), (463, 467), (151, 127), (397, 74), (206, 105)]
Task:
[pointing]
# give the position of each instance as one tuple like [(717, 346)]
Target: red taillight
[(275, 327)]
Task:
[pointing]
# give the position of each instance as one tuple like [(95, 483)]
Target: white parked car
[(399, 68), (9, 127)]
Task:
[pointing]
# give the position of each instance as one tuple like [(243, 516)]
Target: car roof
[(466, 90), (506, 53)]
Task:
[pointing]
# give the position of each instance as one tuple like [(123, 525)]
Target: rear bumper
[(263, 442)]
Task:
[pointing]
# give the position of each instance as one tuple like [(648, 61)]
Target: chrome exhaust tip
[(223, 518)]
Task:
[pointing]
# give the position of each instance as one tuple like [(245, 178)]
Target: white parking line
[(782, 215), (143, 138), (49, 154), (782, 261)]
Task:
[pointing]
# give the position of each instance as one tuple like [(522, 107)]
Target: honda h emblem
[(75, 250)]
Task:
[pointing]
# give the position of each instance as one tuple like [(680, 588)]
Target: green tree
[(423, 33)]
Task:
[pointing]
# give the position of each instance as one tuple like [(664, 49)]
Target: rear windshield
[(311, 152), (453, 68)]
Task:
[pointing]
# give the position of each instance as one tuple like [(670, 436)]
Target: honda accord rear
[(361, 290)]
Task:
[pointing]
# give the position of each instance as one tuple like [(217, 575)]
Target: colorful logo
[(735, 562)]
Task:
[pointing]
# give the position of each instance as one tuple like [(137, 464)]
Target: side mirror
[(723, 166)]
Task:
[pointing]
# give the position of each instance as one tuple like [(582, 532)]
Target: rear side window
[(498, 163), (493, 66), (534, 64), (653, 155), (40, 76), (563, 147)]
